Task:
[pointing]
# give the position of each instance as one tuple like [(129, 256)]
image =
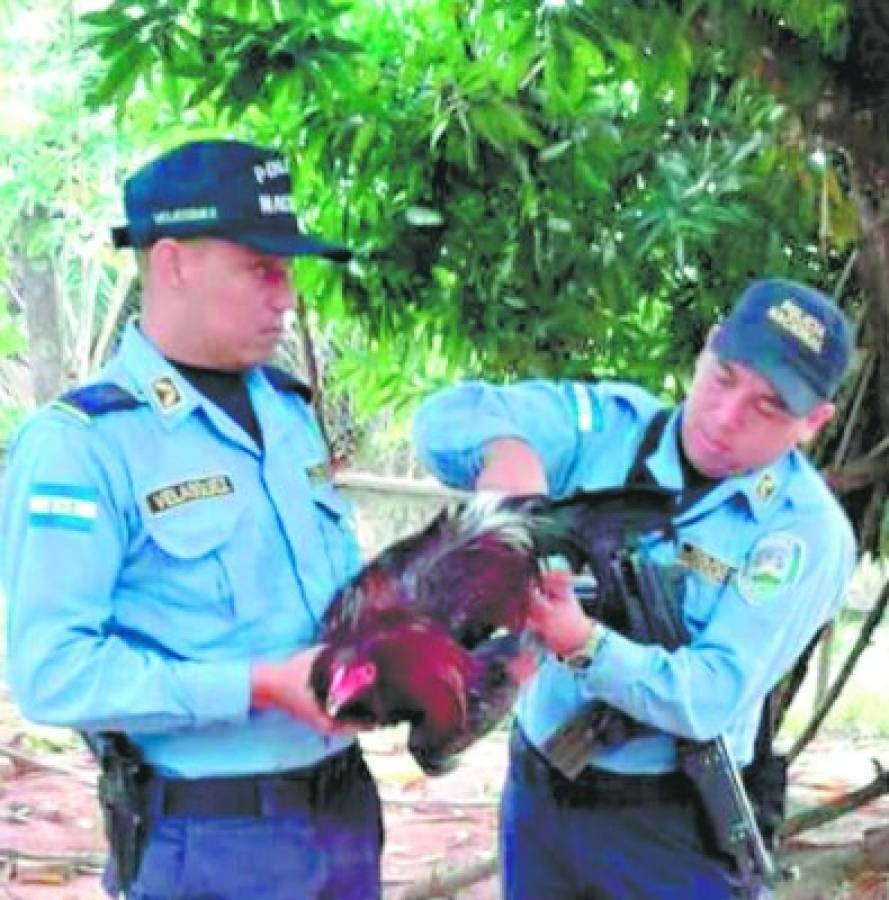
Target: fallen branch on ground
[(445, 879), (820, 815), (84, 862)]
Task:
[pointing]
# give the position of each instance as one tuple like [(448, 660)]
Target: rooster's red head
[(399, 668)]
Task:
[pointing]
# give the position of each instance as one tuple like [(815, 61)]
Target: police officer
[(764, 552), (170, 540)]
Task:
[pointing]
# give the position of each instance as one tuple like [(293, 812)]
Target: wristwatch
[(582, 658)]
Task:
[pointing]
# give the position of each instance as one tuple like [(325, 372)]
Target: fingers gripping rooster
[(433, 630)]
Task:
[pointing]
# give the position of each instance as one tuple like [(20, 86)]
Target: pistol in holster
[(122, 796)]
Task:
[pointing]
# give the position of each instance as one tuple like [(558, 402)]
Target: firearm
[(121, 796), (649, 613), (708, 764)]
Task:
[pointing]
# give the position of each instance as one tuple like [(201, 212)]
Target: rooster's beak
[(346, 683)]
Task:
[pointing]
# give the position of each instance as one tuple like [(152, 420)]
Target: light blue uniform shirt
[(149, 554), (765, 557)]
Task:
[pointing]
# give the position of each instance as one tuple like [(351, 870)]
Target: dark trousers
[(287, 837), (618, 839)]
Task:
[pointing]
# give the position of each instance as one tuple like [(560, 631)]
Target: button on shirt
[(149, 554), (764, 558)]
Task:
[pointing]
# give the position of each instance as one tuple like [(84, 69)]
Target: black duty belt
[(595, 787), (254, 796)]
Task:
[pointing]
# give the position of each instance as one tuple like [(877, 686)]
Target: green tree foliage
[(559, 189)]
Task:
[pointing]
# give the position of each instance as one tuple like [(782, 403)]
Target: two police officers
[(763, 552), (170, 540)]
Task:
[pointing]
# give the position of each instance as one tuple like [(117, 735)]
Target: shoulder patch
[(70, 506), (775, 562), (92, 400), (286, 383)]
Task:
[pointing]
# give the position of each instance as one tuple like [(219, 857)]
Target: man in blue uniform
[(170, 540), (764, 552)]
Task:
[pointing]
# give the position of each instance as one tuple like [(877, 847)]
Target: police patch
[(173, 495), (63, 506), (168, 396), (775, 562), (705, 564)]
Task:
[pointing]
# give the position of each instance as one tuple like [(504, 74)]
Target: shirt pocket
[(335, 521), (189, 552)]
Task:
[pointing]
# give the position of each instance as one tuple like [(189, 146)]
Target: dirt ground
[(432, 824)]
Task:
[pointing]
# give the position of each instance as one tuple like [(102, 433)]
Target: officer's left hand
[(557, 616)]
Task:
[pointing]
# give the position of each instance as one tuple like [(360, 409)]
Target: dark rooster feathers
[(431, 630)]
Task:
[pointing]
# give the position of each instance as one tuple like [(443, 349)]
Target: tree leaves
[(555, 190)]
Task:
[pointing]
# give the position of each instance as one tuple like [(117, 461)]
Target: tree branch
[(874, 617), (445, 879), (821, 815)]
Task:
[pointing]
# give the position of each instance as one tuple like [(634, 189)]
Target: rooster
[(432, 631)]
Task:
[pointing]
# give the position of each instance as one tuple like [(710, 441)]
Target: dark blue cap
[(792, 335), (223, 189)]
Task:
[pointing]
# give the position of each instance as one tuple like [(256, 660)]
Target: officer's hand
[(511, 467), (557, 616), (285, 685)]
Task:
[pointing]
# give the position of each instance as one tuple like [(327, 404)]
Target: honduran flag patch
[(63, 506)]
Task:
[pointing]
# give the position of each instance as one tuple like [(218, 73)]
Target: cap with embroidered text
[(792, 335), (221, 188)]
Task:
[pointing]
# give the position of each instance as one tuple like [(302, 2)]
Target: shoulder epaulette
[(286, 383), (94, 400)]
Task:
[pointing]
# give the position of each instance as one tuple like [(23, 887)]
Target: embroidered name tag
[(63, 506), (174, 495), (705, 564)]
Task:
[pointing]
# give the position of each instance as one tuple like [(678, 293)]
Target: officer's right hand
[(285, 685), (557, 617)]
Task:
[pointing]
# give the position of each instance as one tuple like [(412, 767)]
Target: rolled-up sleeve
[(451, 428)]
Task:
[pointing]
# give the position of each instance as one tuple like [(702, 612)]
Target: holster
[(766, 782), (122, 797)]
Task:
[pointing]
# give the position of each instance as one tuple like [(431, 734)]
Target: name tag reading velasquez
[(173, 495)]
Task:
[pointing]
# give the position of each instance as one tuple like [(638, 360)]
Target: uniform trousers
[(610, 837), (293, 836)]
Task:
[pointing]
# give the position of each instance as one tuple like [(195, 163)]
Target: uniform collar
[(764, 488), (760, 489)]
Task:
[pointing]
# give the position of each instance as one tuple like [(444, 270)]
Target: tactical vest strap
[(650, 439), (766, 776)]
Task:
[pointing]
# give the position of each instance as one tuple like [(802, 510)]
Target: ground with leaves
[(444, 824)]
